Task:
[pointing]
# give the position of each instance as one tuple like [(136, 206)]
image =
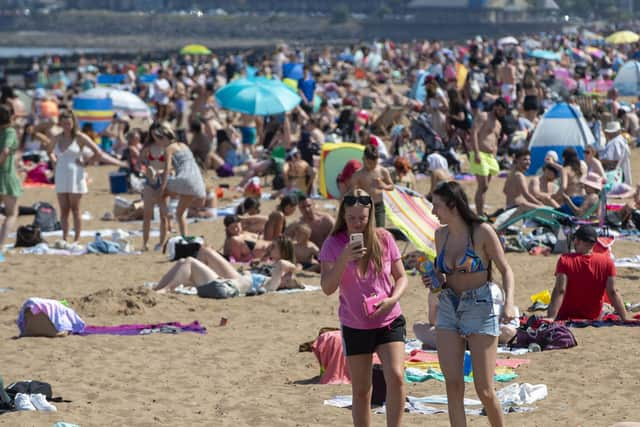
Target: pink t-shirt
[(354, 287)]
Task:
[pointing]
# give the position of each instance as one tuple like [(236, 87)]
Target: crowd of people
[(483, 119)]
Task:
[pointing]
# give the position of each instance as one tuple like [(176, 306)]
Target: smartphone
[(357, 238)]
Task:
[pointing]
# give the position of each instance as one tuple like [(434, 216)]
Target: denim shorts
[(476, 311)]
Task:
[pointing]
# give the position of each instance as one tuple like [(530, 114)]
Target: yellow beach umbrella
[(622, 37), (195, 49)]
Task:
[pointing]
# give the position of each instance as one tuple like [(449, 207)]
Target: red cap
[(349, 169)]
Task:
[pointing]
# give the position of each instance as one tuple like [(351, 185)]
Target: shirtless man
[(320, 224), (515, 187), (485, 136), (507, 76), (374, 179), (544, 186)]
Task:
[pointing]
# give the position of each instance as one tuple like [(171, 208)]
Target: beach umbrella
[(412, 213), (622, 37), (257, 97), (509, 40), (531, 44), (124, 102), (595, 52), (544, 54), (195, 49)]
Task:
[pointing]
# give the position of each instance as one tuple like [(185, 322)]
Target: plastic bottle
[(98, 237), (468, 366), (429, 270)]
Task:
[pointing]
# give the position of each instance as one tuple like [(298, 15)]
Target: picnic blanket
[(411, 213)]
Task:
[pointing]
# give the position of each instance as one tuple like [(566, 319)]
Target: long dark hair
[(570, 158), (454, 196)]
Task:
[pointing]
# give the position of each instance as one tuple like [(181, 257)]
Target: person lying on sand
[(211, 267), (240, 245)]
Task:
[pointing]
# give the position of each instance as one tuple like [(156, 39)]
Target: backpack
[(28, 236), (46, 217), (549, 336), (6, 402), (30, 387), (184, 247)]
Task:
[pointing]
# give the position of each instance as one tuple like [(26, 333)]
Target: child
[(305, 250)]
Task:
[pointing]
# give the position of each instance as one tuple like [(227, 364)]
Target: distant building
[(474, 11)]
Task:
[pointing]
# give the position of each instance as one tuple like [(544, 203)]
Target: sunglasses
[(361, 200)]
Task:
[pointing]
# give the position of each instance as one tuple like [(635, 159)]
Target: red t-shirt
[(587, 277)]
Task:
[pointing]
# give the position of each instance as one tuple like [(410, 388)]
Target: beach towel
[(607, 321), (412, 213), (63, 318), (428, 356), (333, 363), (143, 329)]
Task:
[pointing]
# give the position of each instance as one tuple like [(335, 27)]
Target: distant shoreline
[(142, 44)]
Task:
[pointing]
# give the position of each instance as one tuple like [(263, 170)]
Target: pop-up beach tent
[(628, 79), (561, 127)]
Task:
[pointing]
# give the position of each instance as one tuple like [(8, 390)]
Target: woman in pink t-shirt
[(371, 278)]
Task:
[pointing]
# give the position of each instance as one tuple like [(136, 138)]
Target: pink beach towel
[(333, 363), (423, 356)]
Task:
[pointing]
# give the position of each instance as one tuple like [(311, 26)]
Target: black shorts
[(365, 341)]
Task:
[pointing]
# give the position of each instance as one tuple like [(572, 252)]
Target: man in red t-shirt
[(581, 281)]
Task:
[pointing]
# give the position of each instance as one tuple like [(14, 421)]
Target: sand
[(249, 372)]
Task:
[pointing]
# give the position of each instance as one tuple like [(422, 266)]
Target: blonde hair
[(371, 241), (162, 129), (304, 230)]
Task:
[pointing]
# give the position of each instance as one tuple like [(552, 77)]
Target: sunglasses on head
[(361, 200)]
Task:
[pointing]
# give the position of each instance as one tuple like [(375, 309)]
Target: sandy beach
[(249, 372)]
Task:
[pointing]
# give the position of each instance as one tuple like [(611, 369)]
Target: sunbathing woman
[(249, 213), (277, 222), (211, 267), (588, 205), (571, 171), (240, 245)]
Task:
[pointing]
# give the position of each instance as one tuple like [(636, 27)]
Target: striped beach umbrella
[(123, 102), (412, 213)]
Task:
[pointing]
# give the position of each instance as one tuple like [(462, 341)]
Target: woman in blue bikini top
[(467, 313)]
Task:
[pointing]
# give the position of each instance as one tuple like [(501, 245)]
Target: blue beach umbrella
[(257, 97), (544, 54)]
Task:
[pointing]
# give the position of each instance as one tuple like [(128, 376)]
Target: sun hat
[(552, 154), (612, 127), (593, 180)]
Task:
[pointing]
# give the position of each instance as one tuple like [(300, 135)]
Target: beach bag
[(30, 387), (6, 402), (549, 336), (184, 247), (378, 385), (28, 236), (46, 217), (218, 289)]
